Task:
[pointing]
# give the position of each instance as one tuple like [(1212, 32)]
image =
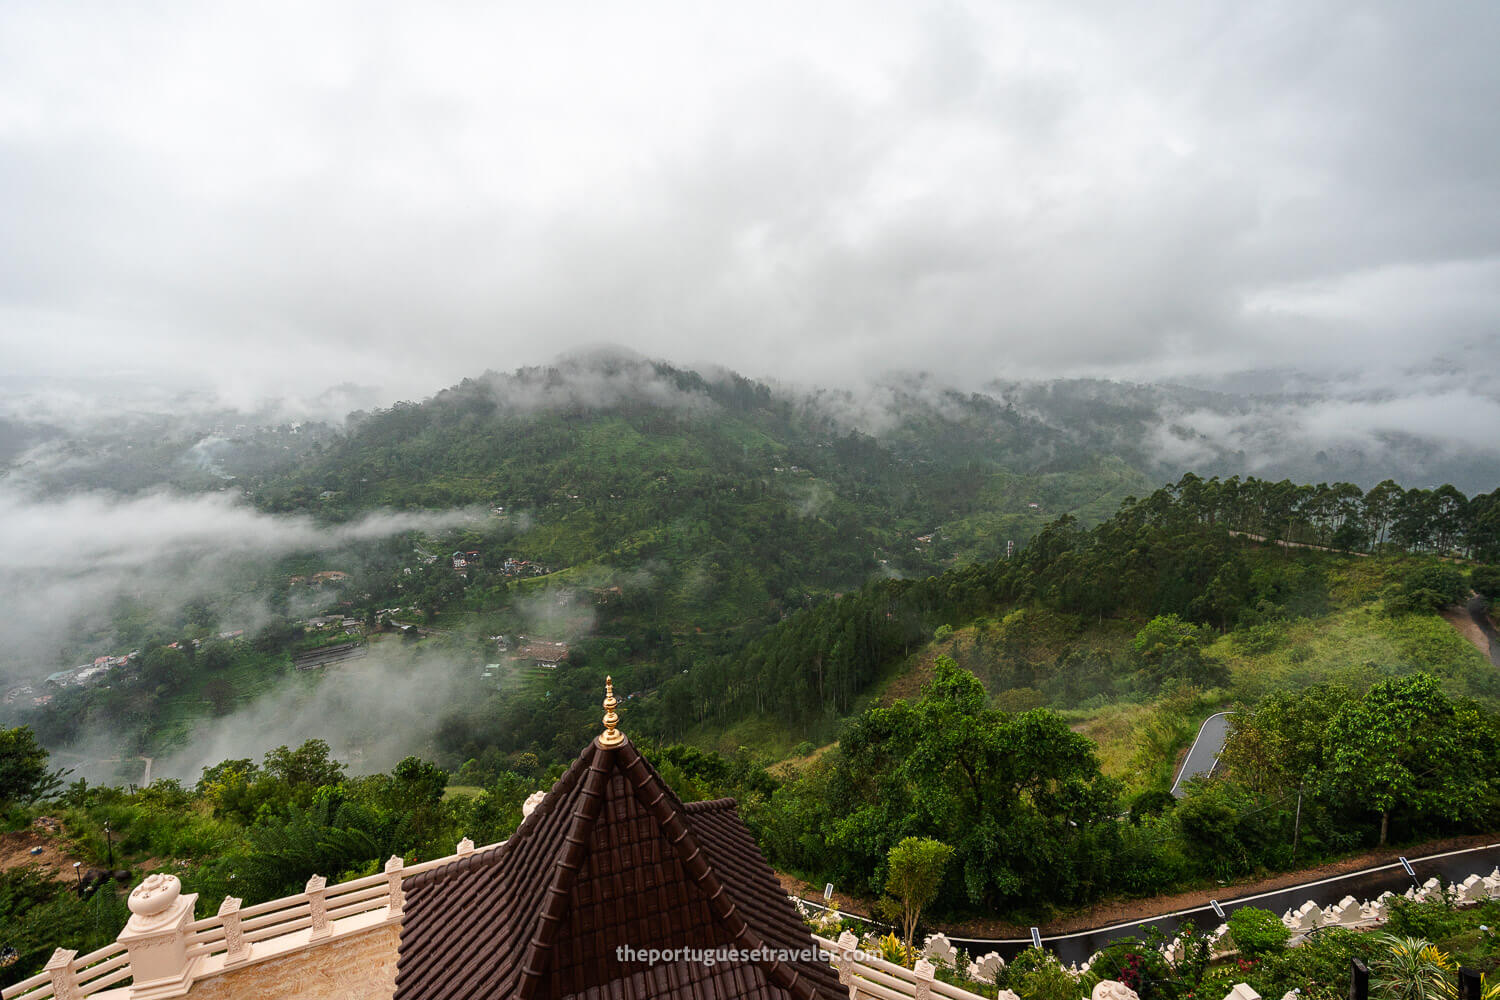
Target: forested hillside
[(1181, 551), (733, 501)]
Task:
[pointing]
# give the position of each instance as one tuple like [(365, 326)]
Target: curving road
[(1369, 883), (1204, 753)]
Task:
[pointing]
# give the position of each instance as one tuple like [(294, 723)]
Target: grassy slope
[(1141, 739)]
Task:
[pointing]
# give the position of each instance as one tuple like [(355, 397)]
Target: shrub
[(895, 951), (1319, 967), (1258, 638), (1150, 803), (1257, 932), (1410, 969), (1430, 919), (1036, 974), (1428, 588), (1486, 581)]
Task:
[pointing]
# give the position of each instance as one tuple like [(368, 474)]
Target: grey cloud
[(599, 377), (371, 711), (408, 197)]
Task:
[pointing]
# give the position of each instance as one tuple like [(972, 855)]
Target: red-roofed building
[(611, 889)]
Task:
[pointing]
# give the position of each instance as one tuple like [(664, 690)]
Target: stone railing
[(866, 975), (1350, 912), (70, 975), (163, 951)]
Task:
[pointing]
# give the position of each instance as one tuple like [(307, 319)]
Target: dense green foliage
[(737, 503), (257, 831), (1170, 559), (1257, 933), (1034, 821), (39, 914), (23, 767), (1403, 753)]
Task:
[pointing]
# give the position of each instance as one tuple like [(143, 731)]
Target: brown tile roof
[(609, 858)]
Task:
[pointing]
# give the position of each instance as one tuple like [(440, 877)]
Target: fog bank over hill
[(1429, 426), (69, 566), (1435, 430)]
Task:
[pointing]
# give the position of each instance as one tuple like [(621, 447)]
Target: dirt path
[(1468, 628), (15, 851), (1125, 910), (1296, 545)]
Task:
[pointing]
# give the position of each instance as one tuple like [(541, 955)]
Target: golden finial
[(612, 737)]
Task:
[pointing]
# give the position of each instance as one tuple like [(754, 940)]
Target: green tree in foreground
[(1406, 746), (914, 871), (23, 766)]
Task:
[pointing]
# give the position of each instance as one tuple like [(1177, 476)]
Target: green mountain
[(721, 499)]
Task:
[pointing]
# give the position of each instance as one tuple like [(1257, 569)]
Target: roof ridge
[(711, 805), (536, 960), (526, 843), (503, 923), (489, 854), (643, 778)]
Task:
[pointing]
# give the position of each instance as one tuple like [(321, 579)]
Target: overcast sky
[(250, 194)]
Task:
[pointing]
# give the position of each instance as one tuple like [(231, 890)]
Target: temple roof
[(610, 858)]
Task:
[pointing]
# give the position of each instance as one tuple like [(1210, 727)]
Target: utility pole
[(1297, 824), (109, 846)]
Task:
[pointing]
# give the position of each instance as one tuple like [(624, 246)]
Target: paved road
[(1204, 753), (1455, 866), (1476, 609)]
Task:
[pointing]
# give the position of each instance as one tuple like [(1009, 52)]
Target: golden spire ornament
[(611, 737)]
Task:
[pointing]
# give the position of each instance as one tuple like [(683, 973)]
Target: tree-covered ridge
[(1178, 552), (1340, 516)]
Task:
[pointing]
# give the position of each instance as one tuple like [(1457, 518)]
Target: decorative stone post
[(156, 937), (396, 899), (64, 975), (317, 900), (926, 972), (847, 943), (234, 934)]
